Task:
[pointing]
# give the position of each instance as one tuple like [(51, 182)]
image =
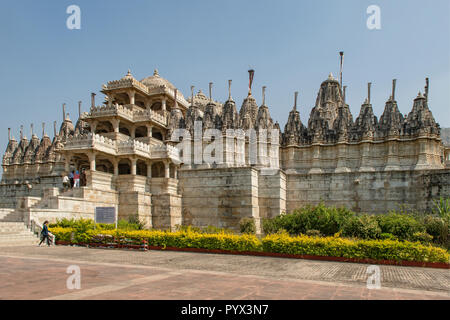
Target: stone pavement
[(40, 273)]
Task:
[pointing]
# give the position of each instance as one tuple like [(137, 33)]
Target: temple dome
[(156, 81)]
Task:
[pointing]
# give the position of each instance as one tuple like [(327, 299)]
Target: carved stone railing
[(126, 83), (114, 110), (165, 151), (90, 141), (150, 115), (133, 147)]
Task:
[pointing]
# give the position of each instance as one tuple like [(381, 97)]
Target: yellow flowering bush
[(276, 243)]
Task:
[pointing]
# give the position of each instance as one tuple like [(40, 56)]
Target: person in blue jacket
[(44, 233)]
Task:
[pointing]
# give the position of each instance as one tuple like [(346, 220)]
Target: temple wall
[(166, 211), (11, 191), (219, 197), (271, 193), (371, 192), (366, 156)]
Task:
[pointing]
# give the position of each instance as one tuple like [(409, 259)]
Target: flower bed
[(281, 245)]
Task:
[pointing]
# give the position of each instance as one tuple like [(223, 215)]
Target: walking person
[(44, 234), (76, 179)]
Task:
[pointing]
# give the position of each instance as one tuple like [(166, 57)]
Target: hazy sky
[(292, 45)]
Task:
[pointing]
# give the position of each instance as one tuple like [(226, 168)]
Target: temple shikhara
[(132, 163)]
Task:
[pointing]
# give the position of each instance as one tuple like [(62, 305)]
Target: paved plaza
[(30, 272)]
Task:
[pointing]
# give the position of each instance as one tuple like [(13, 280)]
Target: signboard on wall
[(105, 215)]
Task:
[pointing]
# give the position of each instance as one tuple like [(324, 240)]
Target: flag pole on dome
[(251, 74)]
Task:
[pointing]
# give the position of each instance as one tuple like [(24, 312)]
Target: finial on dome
[(330, 76), (175, 106), (79, 109), (21, 131), (229, 90), (369, 85), (341, 67), (43, 129), (192, 95), (155, 73), (64, 111), (9, 134), (264, 95), (427, 87), (210, 91), (420, 95), (54, 129), (251, 74), (394, 82), (31, 129), (92, 100), (295, 100)]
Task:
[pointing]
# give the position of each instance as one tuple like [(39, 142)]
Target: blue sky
[(292, 45)]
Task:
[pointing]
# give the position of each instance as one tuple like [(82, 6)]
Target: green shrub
[(400, 225), (362, 249), (328, 220), (422, 237), (313, 233), (363, 227), (390, 236), (442, 208), (247, 225), (438, 228)]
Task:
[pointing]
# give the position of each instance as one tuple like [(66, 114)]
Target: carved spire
[(294, 129), (420, 120), (344, 94)]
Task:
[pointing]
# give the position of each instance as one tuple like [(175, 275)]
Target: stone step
[(11, 232), (17, 238), (31, 242), (12, 217), (12, 226)]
